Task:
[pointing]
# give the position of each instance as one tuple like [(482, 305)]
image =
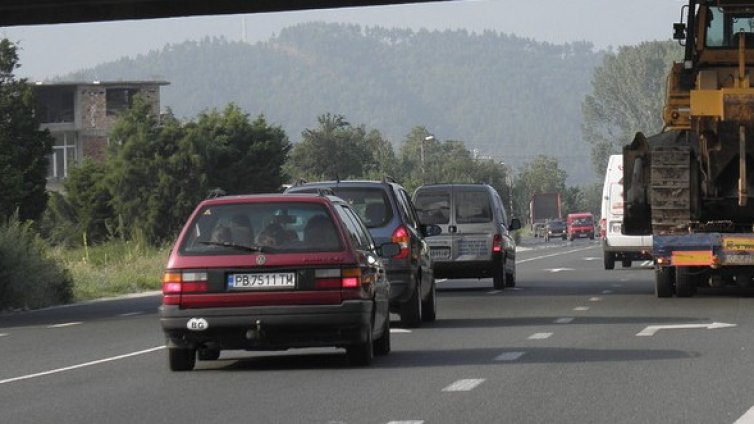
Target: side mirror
[(389, 250), (515, 224), (431, 230), (679, 31)]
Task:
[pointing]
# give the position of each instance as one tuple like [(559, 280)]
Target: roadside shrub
[(29, 278)]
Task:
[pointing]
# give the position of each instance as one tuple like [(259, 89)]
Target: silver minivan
[(475, 241)]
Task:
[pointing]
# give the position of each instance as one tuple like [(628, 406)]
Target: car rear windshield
[(274, 227), (582, 221), (433, 206), (472, 207), (371, 204)]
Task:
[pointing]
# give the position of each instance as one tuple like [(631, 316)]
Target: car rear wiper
[(238, 246)]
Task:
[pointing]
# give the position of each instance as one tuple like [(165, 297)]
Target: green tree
[(542, 175), (24, 148), (335, 149), (628, 93), (88, 195), (238, 156)]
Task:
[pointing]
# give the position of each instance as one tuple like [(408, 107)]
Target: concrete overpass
[(35, 12)]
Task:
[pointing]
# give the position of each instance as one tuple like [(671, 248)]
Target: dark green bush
[(29, 279)]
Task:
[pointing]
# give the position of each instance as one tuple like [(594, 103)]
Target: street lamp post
[(421, 151)]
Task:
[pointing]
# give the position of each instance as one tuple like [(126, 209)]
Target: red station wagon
[(272, 272)]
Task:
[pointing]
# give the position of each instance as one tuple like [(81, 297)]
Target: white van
[(615, 244)]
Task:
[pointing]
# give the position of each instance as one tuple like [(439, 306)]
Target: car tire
[(664, 281), (510, 279), (685, 282), (608, 259), (626, 263), (361, 354), (411, 311), (207, 354), (498, 277), (429, 306), (382, 344), (181, 359)]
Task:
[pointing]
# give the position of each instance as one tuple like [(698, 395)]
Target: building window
[(63, 156), (54, 105), (119, 100)]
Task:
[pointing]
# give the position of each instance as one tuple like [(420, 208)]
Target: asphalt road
[(572, 343)]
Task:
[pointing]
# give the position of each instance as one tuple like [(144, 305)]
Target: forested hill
[(509, 97)]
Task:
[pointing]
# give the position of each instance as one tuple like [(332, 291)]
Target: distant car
[(555, 229), (269, 272), (390, 216), (476, 239)]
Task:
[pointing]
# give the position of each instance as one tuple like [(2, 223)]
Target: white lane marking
[(521, 261), (581, 308), (130, 314), (595, 299), (607, 291), (407, 422), (564, 320), (3, 334), (66, 324), (441, 280), (494, 292), (591, 258), (464, 385), (510, 356), (747, 418), (653, 329), (85, 364), (399, 330), (554, 270), (540, 336)]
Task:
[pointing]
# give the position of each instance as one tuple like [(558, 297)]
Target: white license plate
[(439, 253), (276, 280)]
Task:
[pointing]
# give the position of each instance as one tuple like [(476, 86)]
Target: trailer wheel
[(664, 281), (626, 263), (685, 282), (608, 259)]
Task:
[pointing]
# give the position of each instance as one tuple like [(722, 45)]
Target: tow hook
[(255, 333)]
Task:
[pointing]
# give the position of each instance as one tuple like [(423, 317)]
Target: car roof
[(272, 197), (341, 183)]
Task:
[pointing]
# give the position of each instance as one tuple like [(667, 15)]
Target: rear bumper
[(261, 328), (465, 269)]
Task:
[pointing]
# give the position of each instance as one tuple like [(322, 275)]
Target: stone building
[(80, 116)]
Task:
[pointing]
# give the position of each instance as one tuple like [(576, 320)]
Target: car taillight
[(497, 243), (345, 278), (175, 283), (402, 237)]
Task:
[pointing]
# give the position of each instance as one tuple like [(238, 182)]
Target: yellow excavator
[(691, 186)]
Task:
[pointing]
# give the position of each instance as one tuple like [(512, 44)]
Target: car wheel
[(207, 354), (626, 263), (429, 306), (664, 281), (411, 311), (498, 277), (608, 259), (382, 345), (685, 282), (181, 359), (361, 354)]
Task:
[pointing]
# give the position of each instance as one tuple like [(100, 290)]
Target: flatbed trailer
[(684, 262)]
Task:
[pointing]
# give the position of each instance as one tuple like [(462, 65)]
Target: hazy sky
[(50, 50)]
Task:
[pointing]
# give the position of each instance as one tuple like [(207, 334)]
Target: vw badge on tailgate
[(197, 324)]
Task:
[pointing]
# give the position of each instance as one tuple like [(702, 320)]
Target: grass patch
[(113, 268)]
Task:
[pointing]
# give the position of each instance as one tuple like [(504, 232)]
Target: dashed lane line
[(747, 418), (130, 314), (399, 330), (464, 385), (595, 299), (540, 336), (3, 334), (520, 261), (65, 324), (566, 320), (494, 292), (581, 308), (407, 422), (79, 366), (510, 356)]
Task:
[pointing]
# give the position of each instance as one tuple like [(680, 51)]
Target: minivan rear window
[(433, 207), (283, 227), (472, 207)]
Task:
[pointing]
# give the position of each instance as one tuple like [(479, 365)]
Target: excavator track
[(670, 189)]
